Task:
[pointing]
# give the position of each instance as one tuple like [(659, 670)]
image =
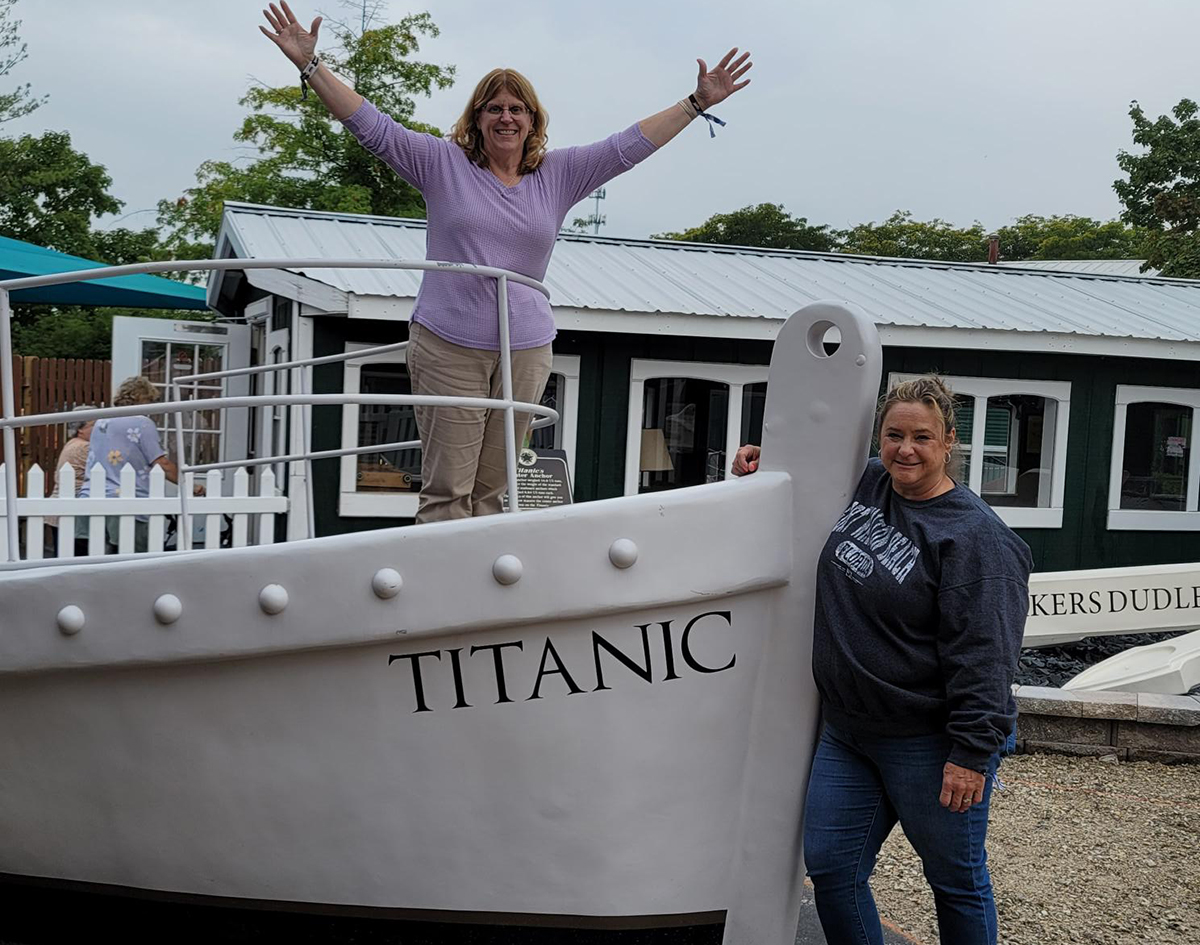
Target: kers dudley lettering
[(1091, 603)]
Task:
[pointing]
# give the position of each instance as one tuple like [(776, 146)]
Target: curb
[(1132, 726)]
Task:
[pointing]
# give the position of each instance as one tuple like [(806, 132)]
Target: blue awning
[(19, 259)]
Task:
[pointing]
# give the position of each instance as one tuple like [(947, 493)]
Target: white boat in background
[(594, 715), (1169, 667)]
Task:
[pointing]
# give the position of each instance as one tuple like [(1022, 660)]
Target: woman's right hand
[(297, 43), (745, 461)]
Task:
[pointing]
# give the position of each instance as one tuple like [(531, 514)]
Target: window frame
[(1057, 393), (734, 376), (355, 504), (1120, 519)]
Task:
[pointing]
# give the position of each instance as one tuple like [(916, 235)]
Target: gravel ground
[(1081, 851)]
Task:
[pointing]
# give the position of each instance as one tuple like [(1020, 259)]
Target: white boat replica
[(597, 715)]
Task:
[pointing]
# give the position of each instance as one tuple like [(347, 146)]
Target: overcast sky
[(964, 111)]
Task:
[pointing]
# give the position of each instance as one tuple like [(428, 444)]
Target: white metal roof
[(677, 282), (1096, 267)]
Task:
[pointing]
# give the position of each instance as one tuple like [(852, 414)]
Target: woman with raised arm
[(920, 611), (495, 196)]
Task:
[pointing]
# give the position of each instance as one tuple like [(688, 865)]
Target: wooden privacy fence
[(49, 385), (239, 519)]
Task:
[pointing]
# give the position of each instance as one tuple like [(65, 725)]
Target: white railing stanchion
[(510, 433), (10, 435), (305, 435), (183, 529)]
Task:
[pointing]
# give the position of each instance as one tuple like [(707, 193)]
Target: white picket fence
[(253, 516)]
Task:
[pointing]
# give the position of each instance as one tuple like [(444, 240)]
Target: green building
[(1079, 391)]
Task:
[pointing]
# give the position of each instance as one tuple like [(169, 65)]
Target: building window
[(164, 361), (386, 485), (686, 421), (1154, 484), (1013, 445)]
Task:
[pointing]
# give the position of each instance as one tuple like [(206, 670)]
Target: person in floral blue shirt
[(121, 441)]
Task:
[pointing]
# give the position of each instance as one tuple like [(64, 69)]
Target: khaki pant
[(462, 460)]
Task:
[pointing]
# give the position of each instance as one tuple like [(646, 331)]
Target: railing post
[(510, 433), (310, 511), (183, 531), (10, 433)]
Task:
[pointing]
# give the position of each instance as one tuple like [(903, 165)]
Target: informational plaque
[(542, 479)]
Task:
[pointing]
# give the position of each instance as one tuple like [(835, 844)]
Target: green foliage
[(1029, 237), (1162, 192), (305, 158), (18, 102), (902, 236), (72, 332), (1069, 237), (767, 225), (49, 193)]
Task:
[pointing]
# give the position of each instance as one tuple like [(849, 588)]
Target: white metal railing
[(304, 366), (10, 422)]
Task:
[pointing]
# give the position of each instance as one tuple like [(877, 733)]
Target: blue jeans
[(859, 788)]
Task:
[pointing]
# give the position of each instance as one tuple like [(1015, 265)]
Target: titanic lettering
[(520, 673)]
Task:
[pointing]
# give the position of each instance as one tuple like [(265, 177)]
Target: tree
[(1069, 237), (49, 192), (767, 225), (1162, 192), (18, 102), (50, 195), (305, 158), (900, 235)]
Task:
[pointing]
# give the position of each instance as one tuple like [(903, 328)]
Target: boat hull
[(601, 712)]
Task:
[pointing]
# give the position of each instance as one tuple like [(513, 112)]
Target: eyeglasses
[(515, 110)]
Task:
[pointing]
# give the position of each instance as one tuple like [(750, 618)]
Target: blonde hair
[(934, 393), (134, 391), (467, 136)]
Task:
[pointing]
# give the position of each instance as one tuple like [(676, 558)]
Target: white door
[(165, 349)]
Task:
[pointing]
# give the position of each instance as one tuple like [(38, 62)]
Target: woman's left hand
[(961, 787), (718, 84)]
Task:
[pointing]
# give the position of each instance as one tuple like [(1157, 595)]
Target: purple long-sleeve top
[(473, 218)]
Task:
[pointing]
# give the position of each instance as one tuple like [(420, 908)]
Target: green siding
[(1084, 541)]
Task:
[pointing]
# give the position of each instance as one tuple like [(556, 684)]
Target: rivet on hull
[(623, 553), (70, 620), (507, 569), (273, 599), (167, 609), (386, 583)]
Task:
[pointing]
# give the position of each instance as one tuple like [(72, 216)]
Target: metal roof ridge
[(1010, 268)]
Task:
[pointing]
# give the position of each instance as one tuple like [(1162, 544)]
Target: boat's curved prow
[(595, 714)]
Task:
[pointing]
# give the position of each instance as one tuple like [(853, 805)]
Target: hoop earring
[(946, 459)]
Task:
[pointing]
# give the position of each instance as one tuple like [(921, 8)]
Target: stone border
[(1132, 726)]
